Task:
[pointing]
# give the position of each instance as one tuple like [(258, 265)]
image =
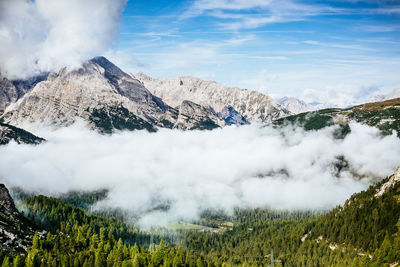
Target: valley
[(145, 209), (354, 234)]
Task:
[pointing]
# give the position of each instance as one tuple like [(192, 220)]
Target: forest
[(362, 232)]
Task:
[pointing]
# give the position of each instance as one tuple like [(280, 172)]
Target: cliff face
[(193, 116), (16, 231)]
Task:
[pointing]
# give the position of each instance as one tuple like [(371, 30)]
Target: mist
[(46, 35), (248, 166)]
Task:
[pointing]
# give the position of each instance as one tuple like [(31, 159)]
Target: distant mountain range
[(296, 106), (395, 93), (110, 99)]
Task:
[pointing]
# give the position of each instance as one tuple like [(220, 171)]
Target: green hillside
[(362, 232), (383, 115)]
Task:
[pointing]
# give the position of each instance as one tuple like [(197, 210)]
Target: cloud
[(335, 45), (248, 166), (378, 28), (266, 12), (46, 35)]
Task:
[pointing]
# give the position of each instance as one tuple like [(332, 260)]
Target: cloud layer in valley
[(45, 35), (247, 166)]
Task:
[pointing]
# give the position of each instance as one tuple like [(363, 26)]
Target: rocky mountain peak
[(110, 99), (110, 69)]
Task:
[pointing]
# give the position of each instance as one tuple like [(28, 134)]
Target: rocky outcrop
[(394, 179), (12, 90), (195, 117), (253, 105), (232, 117), (16, 231)]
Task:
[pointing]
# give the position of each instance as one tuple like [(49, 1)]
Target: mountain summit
[(109, 99)]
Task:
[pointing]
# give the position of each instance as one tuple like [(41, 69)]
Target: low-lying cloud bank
[(46, 35), (247, 166)]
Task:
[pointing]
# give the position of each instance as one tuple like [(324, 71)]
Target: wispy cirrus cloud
[(378, 28), (259, 12), (336, 45)]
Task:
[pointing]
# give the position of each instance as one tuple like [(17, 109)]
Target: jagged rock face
[(232, 117), (9, 132), (15, 230), (100, 93), (6, 200), (195, 117), (254, 106), (12, 90)]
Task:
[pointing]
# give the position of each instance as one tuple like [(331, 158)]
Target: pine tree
[(6, 262)]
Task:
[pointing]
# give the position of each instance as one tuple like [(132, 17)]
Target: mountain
[(110, 99), (364, 231), (368, 222), (395, 93), (16, 231), (383, 115), (12, 90), (11, 133), (296, 106), (193, 116), (103, 95), (252, 105)]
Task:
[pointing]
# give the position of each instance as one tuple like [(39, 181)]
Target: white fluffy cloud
[(45, 35), (192, 171)]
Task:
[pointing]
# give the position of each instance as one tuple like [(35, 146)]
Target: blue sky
[(329, 51)]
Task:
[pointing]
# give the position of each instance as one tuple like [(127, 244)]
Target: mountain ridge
[(109, 99), (252, 105)]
